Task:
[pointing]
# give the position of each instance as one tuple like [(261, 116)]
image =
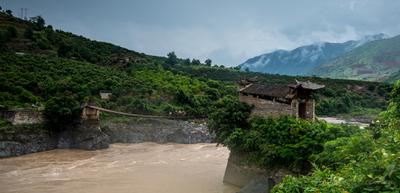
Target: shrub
[(228, 114), (62, 110), (305, 184), (284, 141), (345, 150)]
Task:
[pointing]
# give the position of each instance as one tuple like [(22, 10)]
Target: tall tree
[(9, 12), (195, 62), (208, 62), (186, 61), (38, 21), (172, 59)]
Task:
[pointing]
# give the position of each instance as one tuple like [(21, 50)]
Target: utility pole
[(26, 14)]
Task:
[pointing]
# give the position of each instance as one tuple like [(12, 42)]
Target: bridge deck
[(126, 114)]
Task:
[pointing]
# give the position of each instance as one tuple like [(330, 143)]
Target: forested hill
[(34, 37), (375, 61), (55, 70)]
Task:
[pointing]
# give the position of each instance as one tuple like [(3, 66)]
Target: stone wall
[(18, 117), (264, 107)]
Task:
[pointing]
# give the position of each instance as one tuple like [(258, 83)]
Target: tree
[(195, 62), (64, 49), (50, 28), (38, 21), (186, 62), (229, 113), (172, 59), (28, 33), (392, 115), (51, 35), (62, 109), (208, 62), (9, 12)]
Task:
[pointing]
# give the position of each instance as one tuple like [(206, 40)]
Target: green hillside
[(43, 67), (374, 61), (75, 68)]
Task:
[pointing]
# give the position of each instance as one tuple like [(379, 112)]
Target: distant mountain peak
[(370, 38), (374, 61), (302, 60)]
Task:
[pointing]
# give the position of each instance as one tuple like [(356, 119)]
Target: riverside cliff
[(23, 139)]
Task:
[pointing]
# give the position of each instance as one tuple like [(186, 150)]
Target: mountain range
[(371, 58), (374, 61)]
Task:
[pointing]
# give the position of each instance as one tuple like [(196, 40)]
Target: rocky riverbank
[(24, 139), (91, 135), (252, 178)]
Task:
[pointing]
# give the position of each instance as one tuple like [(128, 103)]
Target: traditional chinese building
[(276, 100)]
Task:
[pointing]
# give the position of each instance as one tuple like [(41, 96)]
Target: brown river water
[(123, 168)]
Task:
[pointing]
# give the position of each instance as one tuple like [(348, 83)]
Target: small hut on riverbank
[(276, 100)]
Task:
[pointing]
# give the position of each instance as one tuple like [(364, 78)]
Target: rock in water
[(258, 186)]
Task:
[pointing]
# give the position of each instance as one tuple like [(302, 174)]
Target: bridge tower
[(90, 113)]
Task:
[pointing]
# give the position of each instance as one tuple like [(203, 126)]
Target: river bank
[(335, 120), (23, 139)]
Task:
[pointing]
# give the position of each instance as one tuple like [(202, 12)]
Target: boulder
[(258, 186)]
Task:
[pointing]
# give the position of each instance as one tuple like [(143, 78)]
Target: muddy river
[(133, 168)]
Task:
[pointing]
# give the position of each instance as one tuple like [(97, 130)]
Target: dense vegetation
[(284, 141), (138, 89), (56, 70), (337, 158), (344, 98), (365, 162)]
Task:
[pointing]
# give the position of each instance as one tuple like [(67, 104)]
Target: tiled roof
[(307, 85), (281, 91), (267, 90)]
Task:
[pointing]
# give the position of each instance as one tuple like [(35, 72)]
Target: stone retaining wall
[(18, 117), (240, 173)]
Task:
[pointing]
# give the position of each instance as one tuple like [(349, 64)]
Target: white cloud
[(228, 47)]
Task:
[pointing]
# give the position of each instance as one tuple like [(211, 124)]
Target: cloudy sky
[(226, 31)]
